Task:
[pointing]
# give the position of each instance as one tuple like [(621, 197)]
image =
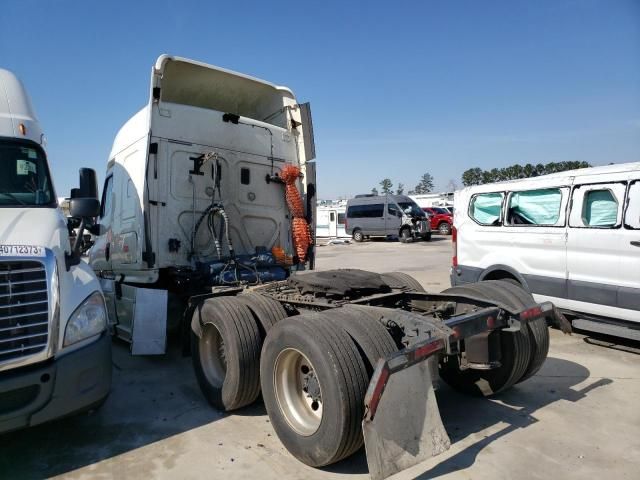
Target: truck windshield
[(411, 208), (24, 176)]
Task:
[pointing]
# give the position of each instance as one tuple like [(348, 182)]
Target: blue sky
[(397, 88)]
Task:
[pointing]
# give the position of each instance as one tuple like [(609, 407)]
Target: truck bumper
[(59, 387)]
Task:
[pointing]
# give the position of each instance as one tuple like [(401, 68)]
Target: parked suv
[(441, 219), (384, 215)]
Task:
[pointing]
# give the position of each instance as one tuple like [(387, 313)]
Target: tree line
[(425, 185), (477, 176)]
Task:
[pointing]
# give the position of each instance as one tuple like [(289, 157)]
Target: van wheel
[(444, 228), (405, 235), (357, 235)]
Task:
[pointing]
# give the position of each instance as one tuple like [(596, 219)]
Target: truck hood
[(44, 227)]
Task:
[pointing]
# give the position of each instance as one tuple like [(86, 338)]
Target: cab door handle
[(635, 243)]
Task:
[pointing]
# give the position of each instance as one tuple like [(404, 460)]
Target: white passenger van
[(55, 353), (572, 238), (371, 215)]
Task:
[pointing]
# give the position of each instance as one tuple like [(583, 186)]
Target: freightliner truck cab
[(55, 353)]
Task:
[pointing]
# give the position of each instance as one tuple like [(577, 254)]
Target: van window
[(332, 217), (535, 207), (632, 215), (597, 206), (375, 210), (341, 218), (393, 210), (486, 208), (600, 209)]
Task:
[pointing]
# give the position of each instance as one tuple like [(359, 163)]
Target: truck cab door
[(100, 253)]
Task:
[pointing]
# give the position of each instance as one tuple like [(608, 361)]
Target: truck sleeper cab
[(572, 238), (55, 354), (386, 215), (194, 196)]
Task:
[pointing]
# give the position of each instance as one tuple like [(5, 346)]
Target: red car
[(441, 220)]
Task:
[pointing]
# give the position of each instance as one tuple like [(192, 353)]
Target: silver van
[(384, 215)]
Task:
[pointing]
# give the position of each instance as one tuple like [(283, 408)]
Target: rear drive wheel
[(517, 353), (444, 228), (313, 385), (226, 353), (357, 235), (265, 310), (402, 280), (371, 337)]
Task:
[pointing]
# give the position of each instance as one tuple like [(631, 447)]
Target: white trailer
[(428, 200), (331, 221)]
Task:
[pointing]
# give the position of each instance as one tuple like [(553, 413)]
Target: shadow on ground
[(152, 398), (464, 416)]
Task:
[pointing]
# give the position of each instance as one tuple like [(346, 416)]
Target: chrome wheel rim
[(213, 355), (298, 391)]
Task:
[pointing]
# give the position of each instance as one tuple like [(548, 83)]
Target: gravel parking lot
[(577, 418)]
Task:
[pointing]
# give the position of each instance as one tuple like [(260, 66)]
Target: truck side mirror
[(307, 128), (88, 184), (84, 207), (84, 204)]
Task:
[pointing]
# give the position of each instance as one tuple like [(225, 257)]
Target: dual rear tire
[(226, 340), (315, 369), (522, 352)]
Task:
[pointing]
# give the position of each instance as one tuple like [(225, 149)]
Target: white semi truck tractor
[(205, 230), (55, 354)]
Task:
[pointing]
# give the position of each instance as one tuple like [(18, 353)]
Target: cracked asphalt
[(579, 417)]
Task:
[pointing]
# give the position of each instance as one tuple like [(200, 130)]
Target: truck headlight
[(89, 319)]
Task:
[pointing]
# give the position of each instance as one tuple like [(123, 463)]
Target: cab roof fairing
[(16, 108), (198, 84)]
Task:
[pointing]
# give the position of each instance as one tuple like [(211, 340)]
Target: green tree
[(477, 176), (425, 185), (374, 191), (386, 186), (473, 176), (400, 189)]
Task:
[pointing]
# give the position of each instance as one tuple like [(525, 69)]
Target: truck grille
[(24, 309)]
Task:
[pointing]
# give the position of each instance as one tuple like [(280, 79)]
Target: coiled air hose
[(210, 212), (300, 228)]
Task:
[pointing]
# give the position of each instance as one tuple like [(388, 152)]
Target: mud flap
[(402, 427)]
